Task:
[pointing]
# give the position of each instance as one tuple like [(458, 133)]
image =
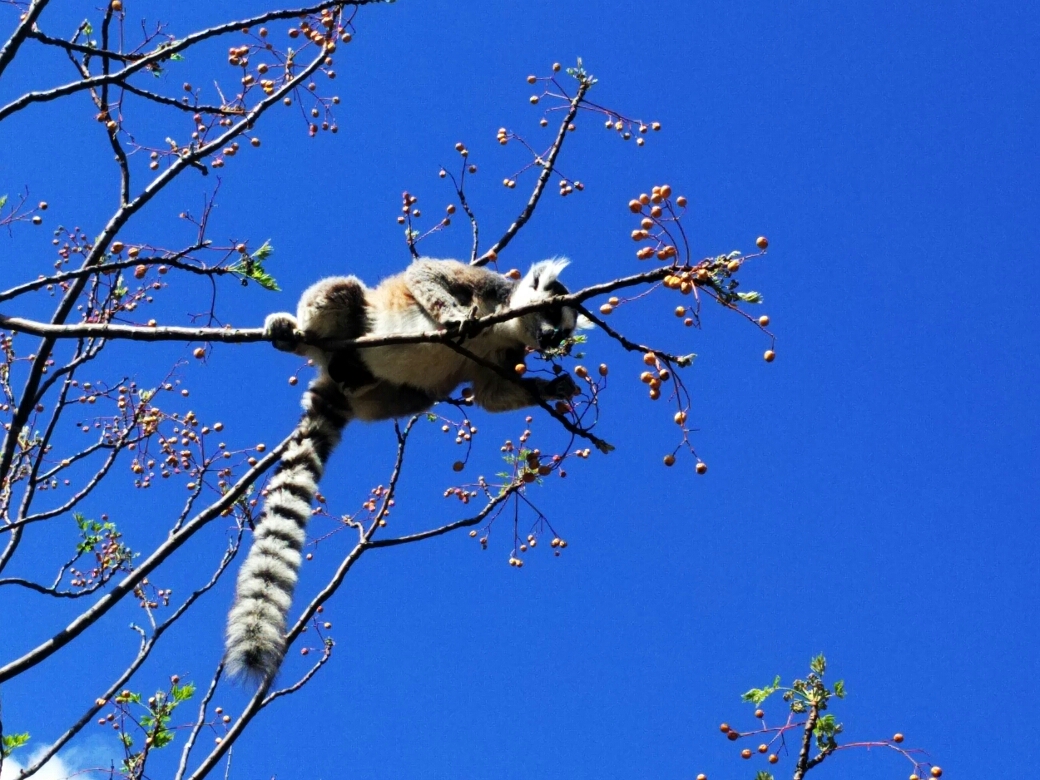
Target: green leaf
[(759, 695), (3, 201), (264, 252), (176, 57), (750, 296), (839, 689), (182, 692), (818, 664), (12, 742), (763, 776)]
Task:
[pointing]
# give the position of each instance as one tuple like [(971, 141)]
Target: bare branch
[(21, 32), (543, 177), (632, 346), (200, 721), (132, 580), (71, 46), (174, 261), (444, 529)]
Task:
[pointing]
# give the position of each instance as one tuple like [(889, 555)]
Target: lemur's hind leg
[(334, 308)]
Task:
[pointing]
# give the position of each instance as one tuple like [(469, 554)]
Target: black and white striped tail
[(257, 621)]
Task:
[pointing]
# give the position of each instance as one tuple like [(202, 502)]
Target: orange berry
[(666, 191), (897, 738), (117, 247), (606, 308), (724, 728), (680, 418), (759, 714), (531, 79), (644, 199), (773, 758), (669, 460), (603, 369), (681, 201), (646, 377), (763, 321), (745, 753), (701, 467), (199, 352), (762, 242), (936, 771), (733, 736), (649, 358), (769, 356), (733, 266), (680, 311), (762, 748), (534, 100), (520, 369), (635, 206), (581, 372), (702, 777), (140, 271), (458, 465)]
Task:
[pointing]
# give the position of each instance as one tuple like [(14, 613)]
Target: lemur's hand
[(281, 329), (463, 328), (562, 388)]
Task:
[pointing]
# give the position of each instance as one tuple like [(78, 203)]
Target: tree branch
[(132, 580), (807, 734), (21, 32), (543, 178), (163, 52)]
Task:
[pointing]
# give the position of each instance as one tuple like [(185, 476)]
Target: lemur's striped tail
[(257, 621)]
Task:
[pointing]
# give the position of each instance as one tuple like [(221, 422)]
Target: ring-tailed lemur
[(379, 383)]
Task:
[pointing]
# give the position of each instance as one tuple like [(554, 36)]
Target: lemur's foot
[(280, 328)]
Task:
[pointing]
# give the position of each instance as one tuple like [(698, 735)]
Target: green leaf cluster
[(12, 742), (252, 267)]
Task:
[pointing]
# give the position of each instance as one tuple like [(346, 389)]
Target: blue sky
[(871, 494)]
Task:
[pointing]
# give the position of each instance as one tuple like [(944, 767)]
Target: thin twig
[(543, 177)]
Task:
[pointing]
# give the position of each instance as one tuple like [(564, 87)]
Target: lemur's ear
[(544, 273)]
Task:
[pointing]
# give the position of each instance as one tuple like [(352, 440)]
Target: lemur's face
[(548, 327)]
